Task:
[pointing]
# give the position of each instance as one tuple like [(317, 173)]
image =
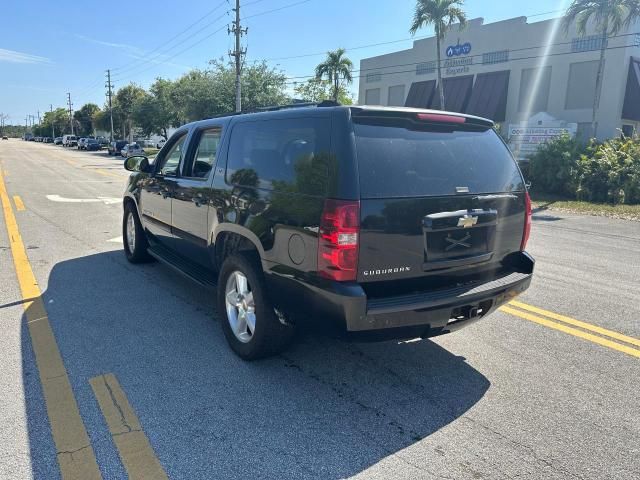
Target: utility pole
[(38, 117), (238, 53), (70, 111), (109, 86), (53, 127)]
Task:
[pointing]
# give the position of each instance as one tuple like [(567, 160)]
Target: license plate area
[(458, 238)]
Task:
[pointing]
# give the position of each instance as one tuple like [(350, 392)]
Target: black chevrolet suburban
[(403, 222)]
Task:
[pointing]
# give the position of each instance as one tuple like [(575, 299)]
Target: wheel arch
[(229, 239)]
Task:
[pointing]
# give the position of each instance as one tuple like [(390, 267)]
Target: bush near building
[(607, 172)]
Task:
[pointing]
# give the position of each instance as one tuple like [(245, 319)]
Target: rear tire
[(249, 321), (133, 237)]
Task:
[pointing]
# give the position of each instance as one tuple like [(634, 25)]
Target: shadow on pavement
[(323, 409)]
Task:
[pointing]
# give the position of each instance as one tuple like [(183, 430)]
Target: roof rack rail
[(324, 103)]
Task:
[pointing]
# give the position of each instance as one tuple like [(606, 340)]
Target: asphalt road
[(530, 394)]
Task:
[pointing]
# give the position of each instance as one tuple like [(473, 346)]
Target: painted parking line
[(134, 448), (74, 452), (19, 203), (576, 332)]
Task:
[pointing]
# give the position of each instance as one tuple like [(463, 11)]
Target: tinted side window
[(171, 161), (291, 155), (205, 155)]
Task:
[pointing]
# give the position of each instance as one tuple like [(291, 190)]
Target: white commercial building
[(517, 73)]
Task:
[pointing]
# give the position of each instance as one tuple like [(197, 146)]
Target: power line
[(181, 51), (157, 60), (275, 9), (477, 55), (178, 34), (532, 57), (359, 47)]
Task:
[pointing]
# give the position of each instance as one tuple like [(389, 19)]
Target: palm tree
[(336, 67), (442, 14), (609, 17)]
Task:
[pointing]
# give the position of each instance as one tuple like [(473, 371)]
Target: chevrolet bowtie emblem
[(467, 221)]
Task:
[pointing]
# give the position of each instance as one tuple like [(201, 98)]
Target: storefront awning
[(489, 97), (631, 107), (420, 94), (457, 91)]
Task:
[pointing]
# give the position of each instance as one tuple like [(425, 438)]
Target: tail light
[(527, 221), (338, 240)]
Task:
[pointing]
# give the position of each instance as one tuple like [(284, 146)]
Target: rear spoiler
[(418, 116)]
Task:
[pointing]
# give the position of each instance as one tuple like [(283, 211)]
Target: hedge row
[(606, 172)]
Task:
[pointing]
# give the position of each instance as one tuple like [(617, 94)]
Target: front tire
[(133, 237), (249, 321)]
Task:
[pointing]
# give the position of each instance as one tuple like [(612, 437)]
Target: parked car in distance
[(102, 141), (161, 143), (116, 146), (82, 143), (4, 137), (387, 222), (48, 140), (69, 141), (57, 141), (92, 144), (131, 149)]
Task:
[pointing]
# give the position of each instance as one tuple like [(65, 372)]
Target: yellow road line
[(19, 204), (134, 448), (577, 323), (74, 452), (108, 174), (572, 331), (71, 162)]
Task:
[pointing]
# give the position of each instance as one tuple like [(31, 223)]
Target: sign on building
[(526, 137)]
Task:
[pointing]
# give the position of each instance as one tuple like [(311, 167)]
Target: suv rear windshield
[(413, 160)]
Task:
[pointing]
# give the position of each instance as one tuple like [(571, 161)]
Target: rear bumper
[(424, 314)]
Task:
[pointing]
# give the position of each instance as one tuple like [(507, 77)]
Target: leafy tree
[(609, 17), (202, 94), (127, 100), (442, 14), (317, 90), (157, 112), (83, 118), (337, 68), (58, 119)]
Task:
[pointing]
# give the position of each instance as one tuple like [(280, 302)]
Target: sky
[(50, 48)]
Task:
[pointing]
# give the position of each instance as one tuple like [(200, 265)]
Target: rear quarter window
[(421, 160), (288, 155)]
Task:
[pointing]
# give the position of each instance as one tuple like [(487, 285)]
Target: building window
[(373, 77), (425, 68), (628, 131), (586, 44), (534, 90), (636, 41), (372, 97), (495, 57), (396, 96), (585, 132), (581, 88)]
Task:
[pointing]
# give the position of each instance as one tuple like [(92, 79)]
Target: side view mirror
[(137, 163)]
